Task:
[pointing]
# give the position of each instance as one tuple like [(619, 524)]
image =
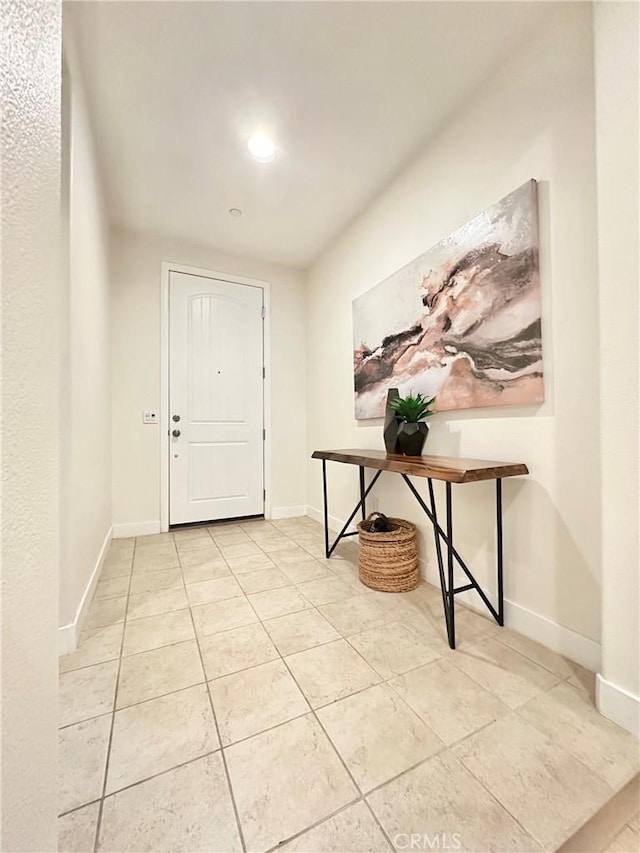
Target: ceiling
[(350, 91)]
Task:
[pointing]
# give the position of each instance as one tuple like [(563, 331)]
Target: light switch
[(149, 417)]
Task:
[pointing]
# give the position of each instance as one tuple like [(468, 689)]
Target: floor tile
[(262, 580), (377, 735), (330, 672), (199, 557), (154, 539), (509, 676), (315, 549), (230, 537), (305, 570), (354, 615), (144, 562), (77, 830), (255, 699), (223, 615), (186, 809), (109, 611), (263, 533), (277, 602), (121, 547), (298, 631), (159, 671), (207, 570), (154, 581), (325, 590), (151, 550), (157, 735), (95, 646), (397, 605), (152, 632), (450, 702), (153, 603), (240, 648), (204, 545), (112, 587), (239, 549), (539, 654), (353, 830), (293, 554), (277, 543), (251, 563), (190, 534), (219, 589), (305, 762), (566, 716), (626, 841), (251, 525), (583, 680), (444, 807), (545, 788), (393, 648), (87, 692), (116, 568), (82, 756)]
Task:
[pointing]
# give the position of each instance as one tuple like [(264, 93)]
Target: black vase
[(391, 425), (411, 438)]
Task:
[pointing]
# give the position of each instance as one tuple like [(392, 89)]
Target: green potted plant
[(411, 413)]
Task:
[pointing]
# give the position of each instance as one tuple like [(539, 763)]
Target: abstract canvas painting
[(462, 321)]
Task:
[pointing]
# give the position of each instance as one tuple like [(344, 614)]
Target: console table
[(450, 470)]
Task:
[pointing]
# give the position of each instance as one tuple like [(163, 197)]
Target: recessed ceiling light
[(262, 148), (235, 211)]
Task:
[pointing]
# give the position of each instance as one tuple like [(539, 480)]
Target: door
[(216, 403)]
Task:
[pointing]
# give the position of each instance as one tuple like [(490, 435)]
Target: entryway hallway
[(233, 690)]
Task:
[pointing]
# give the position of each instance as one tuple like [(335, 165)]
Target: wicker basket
[(388, 561)]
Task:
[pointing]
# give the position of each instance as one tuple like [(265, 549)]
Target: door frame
[(168, 267)]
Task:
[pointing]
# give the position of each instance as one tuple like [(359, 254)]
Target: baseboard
[(317, 515), (68, 635), (278, 512), (136, 528), (618, 705), (543, 630)]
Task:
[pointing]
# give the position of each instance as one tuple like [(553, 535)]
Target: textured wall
[(30, 313), (533, 119), (86, 440), (135, 328), (618, 124)]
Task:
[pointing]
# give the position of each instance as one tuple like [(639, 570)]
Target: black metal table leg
[(436, 534), (329, 549), (451, 627), (499, 551)]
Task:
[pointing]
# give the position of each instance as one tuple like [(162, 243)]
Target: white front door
[(216, 404)]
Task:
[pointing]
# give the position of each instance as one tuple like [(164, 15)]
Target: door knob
[(176, 433), (175, 418)]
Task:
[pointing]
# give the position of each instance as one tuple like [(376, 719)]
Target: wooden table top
[(451, 468)]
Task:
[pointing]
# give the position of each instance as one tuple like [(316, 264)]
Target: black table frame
[(449, 591)]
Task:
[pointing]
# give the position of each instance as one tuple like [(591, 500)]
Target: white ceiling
[(351, 91)]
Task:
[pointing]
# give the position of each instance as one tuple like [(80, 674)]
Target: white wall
[(30, 422), (617, 67), (534, 119), (86, 445), (136, 260)]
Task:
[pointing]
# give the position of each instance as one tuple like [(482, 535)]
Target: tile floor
[(234, 691)]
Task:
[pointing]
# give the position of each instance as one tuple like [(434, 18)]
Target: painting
[(462, 322)]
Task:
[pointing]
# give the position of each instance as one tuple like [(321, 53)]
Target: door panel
[(216, 388)]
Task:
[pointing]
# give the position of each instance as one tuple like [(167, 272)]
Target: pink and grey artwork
[(462, 321)]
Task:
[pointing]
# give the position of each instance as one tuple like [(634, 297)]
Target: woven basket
[(388, 562)]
